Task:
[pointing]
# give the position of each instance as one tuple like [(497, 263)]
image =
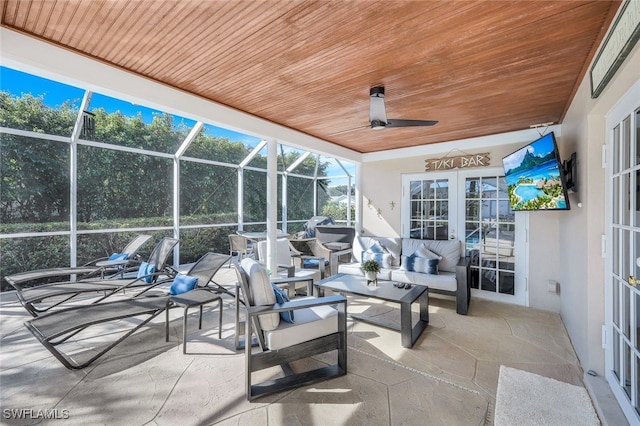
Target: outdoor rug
[(525, 398)]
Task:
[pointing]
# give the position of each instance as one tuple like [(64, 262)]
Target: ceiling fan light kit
[(378, 115)]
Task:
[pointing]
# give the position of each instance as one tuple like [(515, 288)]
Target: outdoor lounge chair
[(319, 326), (94, 268), (33, 297), (56, 328)]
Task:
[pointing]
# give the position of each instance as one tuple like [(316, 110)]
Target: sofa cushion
[(450, 250), (424, 252), (444, 281)]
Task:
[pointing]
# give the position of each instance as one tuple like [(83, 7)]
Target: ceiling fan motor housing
[(378, 92)]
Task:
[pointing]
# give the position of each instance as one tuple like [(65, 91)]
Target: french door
[(472, 206), (623, 260)]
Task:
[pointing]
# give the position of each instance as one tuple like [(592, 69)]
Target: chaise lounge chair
[(94, 268), (33, 297), (55, 328)]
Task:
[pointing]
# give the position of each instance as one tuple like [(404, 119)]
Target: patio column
[(272, 203), (73, 179)]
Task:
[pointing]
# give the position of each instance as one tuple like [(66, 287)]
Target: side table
[(198, 297)]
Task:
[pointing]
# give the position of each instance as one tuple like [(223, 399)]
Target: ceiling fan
[(378, 116)]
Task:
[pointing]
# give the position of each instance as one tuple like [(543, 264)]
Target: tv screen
[(535, 177)]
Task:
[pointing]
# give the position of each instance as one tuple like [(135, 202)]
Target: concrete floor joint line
[(422, 373)]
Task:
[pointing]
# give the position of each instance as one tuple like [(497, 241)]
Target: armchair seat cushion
[(310, 324)]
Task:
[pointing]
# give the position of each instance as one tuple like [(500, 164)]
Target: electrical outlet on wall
[(553, 287)]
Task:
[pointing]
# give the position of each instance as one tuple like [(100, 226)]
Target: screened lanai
[(84, 171)]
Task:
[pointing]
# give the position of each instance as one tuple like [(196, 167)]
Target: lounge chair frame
[(68, 290), (94, 268), (57, 327)]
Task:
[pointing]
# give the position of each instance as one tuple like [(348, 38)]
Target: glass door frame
[(622, 301), (456, 228)]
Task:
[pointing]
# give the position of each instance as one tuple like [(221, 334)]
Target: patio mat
[(525, 398)]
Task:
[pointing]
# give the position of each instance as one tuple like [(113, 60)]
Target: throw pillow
[(118, 256), (384, 259), (432, 266), (415, 263), (281, 297), (409, 263), (182, 284), (146, 270)]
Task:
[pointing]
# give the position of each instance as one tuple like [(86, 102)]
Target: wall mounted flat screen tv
[(535, 177)]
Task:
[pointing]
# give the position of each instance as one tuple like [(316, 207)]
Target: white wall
[(382, 183), (582, 274)]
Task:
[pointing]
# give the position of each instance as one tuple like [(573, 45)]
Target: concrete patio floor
[(448, 378)]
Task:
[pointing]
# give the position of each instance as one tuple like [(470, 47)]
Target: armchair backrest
[(238, 242), (256, 290), (283, 251)]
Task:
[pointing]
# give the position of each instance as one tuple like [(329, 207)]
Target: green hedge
[(24, 254)]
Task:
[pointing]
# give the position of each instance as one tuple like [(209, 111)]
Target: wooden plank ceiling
[(478, 67)]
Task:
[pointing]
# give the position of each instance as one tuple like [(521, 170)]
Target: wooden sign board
[(459, 162)]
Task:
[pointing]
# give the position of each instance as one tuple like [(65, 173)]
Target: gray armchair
[(320, 326)]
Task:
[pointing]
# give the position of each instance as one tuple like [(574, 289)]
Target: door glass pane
[(626, 256), (415, 188), (616, 354), (616, 302), (625, 200), (472, 210), (616, 149), (627, 368), (490, 234), (472, 188), (625, 313), (506, 282), (637, 319), (626, 143)]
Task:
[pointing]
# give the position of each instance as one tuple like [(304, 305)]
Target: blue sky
[(17, 83)]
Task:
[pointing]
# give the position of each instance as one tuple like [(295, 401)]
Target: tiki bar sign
[(459, 162)]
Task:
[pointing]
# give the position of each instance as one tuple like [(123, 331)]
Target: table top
[(385, 290), (198, 296), (262, 235)]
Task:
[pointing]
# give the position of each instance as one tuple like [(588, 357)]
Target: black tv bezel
[(561, 169)]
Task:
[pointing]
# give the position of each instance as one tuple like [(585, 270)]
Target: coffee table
[(354, 284)]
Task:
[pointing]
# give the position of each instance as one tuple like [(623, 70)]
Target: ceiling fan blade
[(409, 123), (349, 130)]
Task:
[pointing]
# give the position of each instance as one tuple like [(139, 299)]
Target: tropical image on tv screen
[(533, 177)]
